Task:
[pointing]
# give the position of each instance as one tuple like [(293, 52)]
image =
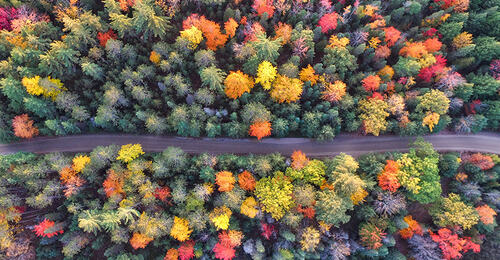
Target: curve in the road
[(354, 145)]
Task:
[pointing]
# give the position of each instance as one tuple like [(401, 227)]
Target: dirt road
[(354, 145)]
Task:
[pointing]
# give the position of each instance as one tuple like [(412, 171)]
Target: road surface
[(353, 145)]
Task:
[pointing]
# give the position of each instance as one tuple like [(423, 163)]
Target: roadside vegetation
[(239, 68), (121, 203)]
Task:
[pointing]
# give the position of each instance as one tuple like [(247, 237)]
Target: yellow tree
[(79, 162), (286, 89), (193, 35), (334, 92), (266, 73), (307, 74), (129, 152), (180, 230), (237, 83), (373, 114)]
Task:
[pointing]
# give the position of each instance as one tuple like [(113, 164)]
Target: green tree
[(332, 208), (213, 77)]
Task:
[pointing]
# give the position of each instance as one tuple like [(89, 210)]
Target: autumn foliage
[(387, 179), (328, 22), (299, 160), (371, 83), (225, 181), (23, 127), (392, 35), (237, 83), (413, 228), (246, 181), (104, 37), (139, 240), (482, 161), (452, 246), (486, 214), (47, 228), (334, 92), (113, 185), (260, 129), (211, 30), (264, 6)]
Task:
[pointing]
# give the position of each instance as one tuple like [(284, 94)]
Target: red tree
[(328, 22), (371, 83), (453, 246), (104, 37), (47, 228)]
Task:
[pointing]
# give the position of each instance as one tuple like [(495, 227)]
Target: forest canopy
[(120, 203), (311, 68)]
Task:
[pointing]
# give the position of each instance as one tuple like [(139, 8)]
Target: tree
[(180, 230), (334, 92), (451, 211), (193, 35), (264, 6), (225, 181), (139, 240), (451, 245), (237, 83), (432, 45), (371, 83), (246, 181), (373, 114), (220, 217), (328, 22), (260, 129), (80, 162), (484, 162), (387, 179), (486, 214), (299, 160), (249, 207), (331, 208), (433, 101), (286, 90), (266, 73), (392, 35), (230, 27), (147, 20), (307, 74), (23, 127), (413, 228), (47, 228), (310, 239), (213, 77), (413, 50), (371, 235), (275, 194), (313, 172), (129, 152)]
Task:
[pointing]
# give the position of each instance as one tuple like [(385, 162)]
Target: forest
[(240, 68), (121, 203)]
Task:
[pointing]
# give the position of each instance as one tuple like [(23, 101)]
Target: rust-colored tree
[(260, 129), (387, 179), (23, 127), (225, 180), (246, 181), (482, 161), (299, 160)]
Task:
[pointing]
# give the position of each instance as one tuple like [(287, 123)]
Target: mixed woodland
[(121, 203), (239, 68)]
